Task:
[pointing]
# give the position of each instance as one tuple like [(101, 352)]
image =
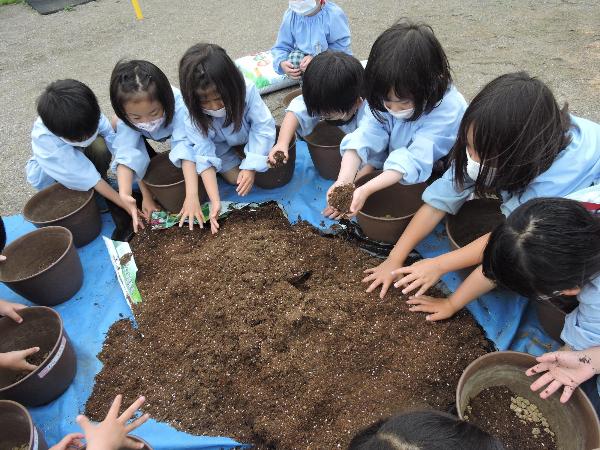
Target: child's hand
[(245, 181), (191, 209), (329, 211), (564, 368), (278, 148), (130, 206), (439, 308), (215, 211), (69, 442), (422, 274), (17, 360), (111, 433), (305, 61), (382, 275), (149, 206), (359, 198), (9, 309), (289, 70)]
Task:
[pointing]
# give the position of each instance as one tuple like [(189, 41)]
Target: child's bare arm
[(286, 134), (209, 179)]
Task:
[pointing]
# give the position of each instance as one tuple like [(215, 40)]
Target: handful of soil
[(279, 158), (514, 420), (341, 197)]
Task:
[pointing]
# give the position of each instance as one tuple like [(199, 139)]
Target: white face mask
[(152, 126), (304, 7), (473, 167), (85, 143), (404, 114), (215, 112)]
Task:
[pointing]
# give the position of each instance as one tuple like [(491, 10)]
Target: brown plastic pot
[(43, 266), (575, 422), (41, 327), (83, 221), (386, 213), (167, 184), (17, 428), (278, 176), (135, 438), (324, 148), (285, 101)]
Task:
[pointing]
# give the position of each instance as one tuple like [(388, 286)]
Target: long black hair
[(425, 430), (409, 59), (69, 109), (2, 235), (546, 245), (131, 79), (518, 131), (332, 83), (207, 66)]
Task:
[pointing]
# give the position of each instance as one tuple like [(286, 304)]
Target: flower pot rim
[(54, 186)]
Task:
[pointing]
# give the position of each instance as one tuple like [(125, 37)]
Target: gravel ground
[(558, 41)]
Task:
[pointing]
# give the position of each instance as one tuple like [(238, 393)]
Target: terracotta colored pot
[(285, 101), (83, 221), (43, 266), (324, 148), (41, 327), (278, 176), (167, 184), (135, 438), (575, 422), (17, 428), (386, 213)]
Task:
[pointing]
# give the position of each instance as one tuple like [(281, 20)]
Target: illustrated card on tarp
[(258, 69)]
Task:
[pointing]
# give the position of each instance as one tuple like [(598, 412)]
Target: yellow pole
[(138, 10)]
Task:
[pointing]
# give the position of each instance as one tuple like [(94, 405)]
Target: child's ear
[(571, 292)]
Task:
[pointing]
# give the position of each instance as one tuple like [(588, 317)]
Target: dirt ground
[(559, 41)]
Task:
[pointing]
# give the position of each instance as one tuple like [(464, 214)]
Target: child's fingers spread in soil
[(129, 412)]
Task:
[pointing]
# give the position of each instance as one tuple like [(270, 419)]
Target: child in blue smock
[(331, 92), (224, 113), (550, 247), (309, 27), (514, 141), (413, 116), (147, 107)]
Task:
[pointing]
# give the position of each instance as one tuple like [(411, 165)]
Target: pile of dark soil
[(264, 333), (62, 203), (515, 421), (341, 197), (475, 218)]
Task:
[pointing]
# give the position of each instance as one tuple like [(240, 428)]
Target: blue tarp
[(508, 320)]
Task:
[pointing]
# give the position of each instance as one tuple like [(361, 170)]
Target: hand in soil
[(438, 308), (111, 433), (9, 309), (245, 181), (130, 205), (421, 275), (340, 197), (330, 211), (358, 200), (191, 210), (215, 211), (17, 360), (278, 155), (382, 275), (564, 368), (148, 207), (69, 442)]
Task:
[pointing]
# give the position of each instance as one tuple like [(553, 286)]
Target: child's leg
[(231, 175), (99, 155), (367, 168)]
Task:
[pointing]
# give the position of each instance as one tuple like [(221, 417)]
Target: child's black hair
[(207, 66), (518, 130), (423, 430), (408, 59), (131, 79), (546, 245), (332, 83), (69, 109), (2, 235)]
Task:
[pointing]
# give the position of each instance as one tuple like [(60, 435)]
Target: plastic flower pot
[(575, 422), (285, 101), (41, 327), (58, 206), (17, 428), (43, 266), (278, 176), (135, 438), (167, 184), (324, 148), (386, 213)]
